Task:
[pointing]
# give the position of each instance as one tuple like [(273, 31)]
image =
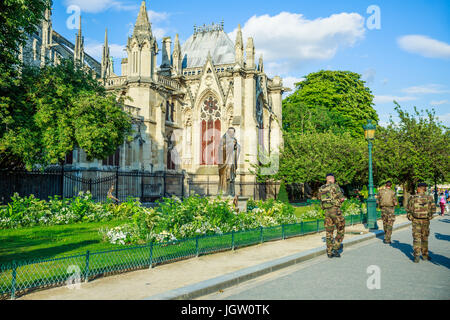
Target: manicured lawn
[(299, 211), (51, 242)]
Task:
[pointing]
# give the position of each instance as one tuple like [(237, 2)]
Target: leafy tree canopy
[(412, 150), (310, 157), (18, 18), (49, 112), (342, 93)]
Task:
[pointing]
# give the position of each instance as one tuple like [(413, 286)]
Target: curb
[(206, 287)]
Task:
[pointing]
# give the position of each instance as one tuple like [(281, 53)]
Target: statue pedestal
[(242, 204)]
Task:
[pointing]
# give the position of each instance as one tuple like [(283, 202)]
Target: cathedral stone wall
[(182, 108)]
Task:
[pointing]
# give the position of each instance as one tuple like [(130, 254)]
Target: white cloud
[(426, 89), (445, 119), (424, 46), (290, 38), (388, 99), (439, 103), (289, 82), (157, 16), (369, 76), (95, 49), (95, 6)]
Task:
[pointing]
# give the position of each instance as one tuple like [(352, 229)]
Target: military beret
[(330, 175), (423, 185)]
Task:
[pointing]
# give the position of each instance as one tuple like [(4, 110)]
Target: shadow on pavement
[(407, 249), (439, 260), (445, 220), (443, 237)]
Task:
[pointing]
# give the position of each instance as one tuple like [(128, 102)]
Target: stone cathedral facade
[(182, 107)]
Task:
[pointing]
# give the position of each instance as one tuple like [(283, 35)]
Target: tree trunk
[(405, 195)]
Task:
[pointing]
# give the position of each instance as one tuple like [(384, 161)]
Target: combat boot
[(427, 258), (416, 259), (330, 255), (336, 254)]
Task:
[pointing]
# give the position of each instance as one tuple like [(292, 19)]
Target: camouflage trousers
[(334, 219), (388, 216), (420, 231)]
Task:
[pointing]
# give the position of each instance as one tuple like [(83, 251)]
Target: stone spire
[(261, 64), (46, 39), (142, 27), (79, 46), (250, 63), (166, 50), (106, 59), (239, 47), (176, 56)]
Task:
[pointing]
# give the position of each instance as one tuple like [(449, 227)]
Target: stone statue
[(229, 151)]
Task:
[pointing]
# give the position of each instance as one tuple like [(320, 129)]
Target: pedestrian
[(387, 201), (421, 208), (442, 203), (331, 198)]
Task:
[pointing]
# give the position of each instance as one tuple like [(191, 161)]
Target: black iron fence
[(208, 186), (148, 187)]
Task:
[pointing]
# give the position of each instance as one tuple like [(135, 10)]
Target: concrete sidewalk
[(158, 282)]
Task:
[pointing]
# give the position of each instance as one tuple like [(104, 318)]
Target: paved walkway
[(146, 283), (346, 278)]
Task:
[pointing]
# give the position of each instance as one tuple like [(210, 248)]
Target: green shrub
[(283, 195)]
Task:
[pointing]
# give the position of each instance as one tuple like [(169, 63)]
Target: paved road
[(346, 278)]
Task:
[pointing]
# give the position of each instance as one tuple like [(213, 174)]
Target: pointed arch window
[(210, 131)]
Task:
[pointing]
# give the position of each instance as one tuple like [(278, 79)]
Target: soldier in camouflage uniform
[(387, 201), (331, 198), (421, 208)]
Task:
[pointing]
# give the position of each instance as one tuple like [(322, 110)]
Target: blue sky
[(407, 58)]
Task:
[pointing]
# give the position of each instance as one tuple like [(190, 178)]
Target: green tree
[(18, 18), (309, 157), (412, 150), (343, 93), (282, 194), (51, 111), (297, 117)]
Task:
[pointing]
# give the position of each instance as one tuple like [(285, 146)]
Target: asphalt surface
[(347, 278)]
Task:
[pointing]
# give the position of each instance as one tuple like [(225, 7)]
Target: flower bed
[(171, 220)]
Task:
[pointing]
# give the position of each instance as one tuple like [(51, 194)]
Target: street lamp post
[(369, 131)]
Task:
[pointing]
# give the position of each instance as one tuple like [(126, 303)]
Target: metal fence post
[(182, 186), (86, 271), (13, 281), (317, 225), (62, 181), (301, 228), (262, 237), (196, 246), (151, 256), (164, 184), (282, 232), (142, 186), (232, 240), (117, 183)]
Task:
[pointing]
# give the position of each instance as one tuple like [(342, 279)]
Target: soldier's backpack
[(387, 198), (421, 207), (326, 196)]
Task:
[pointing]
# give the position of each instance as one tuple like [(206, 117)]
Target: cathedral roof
[(216, 42)]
